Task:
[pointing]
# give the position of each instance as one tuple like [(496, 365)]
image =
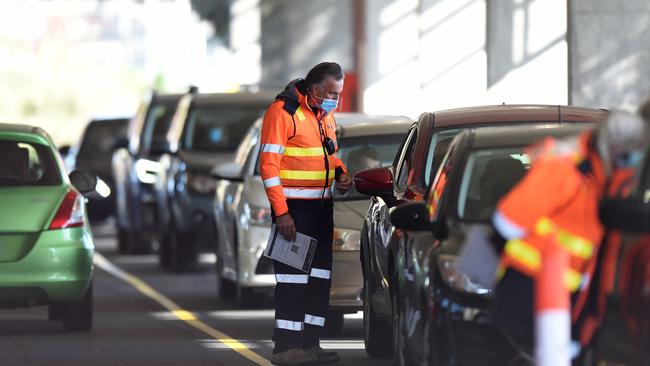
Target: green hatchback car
[(46, 246)]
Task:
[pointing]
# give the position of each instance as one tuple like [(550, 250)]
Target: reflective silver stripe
[(508, 229), (273, 148), (320, 273), (314, 320), (289, 325), (306, 193), (272, 182), (291, 278)]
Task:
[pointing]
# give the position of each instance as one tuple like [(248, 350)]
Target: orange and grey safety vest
[(294, 164), (555, 204)]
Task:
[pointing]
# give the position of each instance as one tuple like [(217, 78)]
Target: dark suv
[(205, 132), (136, 169)]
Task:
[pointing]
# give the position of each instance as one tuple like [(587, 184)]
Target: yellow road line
[(181, 314)]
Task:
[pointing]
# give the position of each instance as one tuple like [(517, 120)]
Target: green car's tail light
[(70, 213)]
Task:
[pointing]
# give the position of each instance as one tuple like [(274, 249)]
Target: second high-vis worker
[(299, 163)]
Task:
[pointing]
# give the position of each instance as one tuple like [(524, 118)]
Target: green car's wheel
[(55, 312), (78, 315)]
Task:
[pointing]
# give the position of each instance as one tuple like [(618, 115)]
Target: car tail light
[(70, 213)]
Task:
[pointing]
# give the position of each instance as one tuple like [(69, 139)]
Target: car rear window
[(158, 122), (488, 176), (96, 150), (27, 164), (218, 128)]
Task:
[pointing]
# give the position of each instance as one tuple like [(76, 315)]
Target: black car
[(93, 153), (442, 317), (136, 169), (205, 132)]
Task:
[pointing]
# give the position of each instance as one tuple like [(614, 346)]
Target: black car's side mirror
[(412, 216), (89, 185), (627, 214), (64, 150)]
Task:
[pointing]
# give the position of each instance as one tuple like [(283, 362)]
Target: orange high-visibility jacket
[(293, 161), (555, 204)]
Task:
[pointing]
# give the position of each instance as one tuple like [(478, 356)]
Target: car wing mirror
[(626, 214), (412, 216), (89, 185), (375, 182)]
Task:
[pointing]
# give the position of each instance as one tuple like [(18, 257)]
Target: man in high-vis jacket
[(548, 233), (299, 163)]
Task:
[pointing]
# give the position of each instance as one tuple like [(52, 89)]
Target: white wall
[(610, 52), (425, 55)]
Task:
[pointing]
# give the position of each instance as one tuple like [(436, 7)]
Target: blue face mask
[(629, 160), (327, 105)]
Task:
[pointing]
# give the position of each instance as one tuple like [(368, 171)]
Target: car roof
[(516, 113), (359, 124), (25, 133), (207, 99), (521, 135)]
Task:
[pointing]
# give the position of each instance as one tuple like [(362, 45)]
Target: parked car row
[(450, 171)]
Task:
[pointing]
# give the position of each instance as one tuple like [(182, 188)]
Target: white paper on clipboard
[(297, 254)]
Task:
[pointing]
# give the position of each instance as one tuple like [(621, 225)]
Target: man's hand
[(343, 183), (286, 227)]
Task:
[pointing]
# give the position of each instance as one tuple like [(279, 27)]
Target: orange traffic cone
[(553, 309)]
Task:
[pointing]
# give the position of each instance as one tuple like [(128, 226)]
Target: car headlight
[(346, 240), (258, 215), (147, 170), (201, 183), (447, 265)]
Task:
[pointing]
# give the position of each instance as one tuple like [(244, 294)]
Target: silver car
[(243, 214)]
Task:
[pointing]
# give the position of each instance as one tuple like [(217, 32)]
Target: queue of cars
[(186, 179), (393, 261)]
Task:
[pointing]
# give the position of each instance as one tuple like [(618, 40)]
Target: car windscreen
[(27, 164), (218, 128), (488, 175), (367, 152)]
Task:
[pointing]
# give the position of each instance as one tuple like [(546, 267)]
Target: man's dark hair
[(321, 71)]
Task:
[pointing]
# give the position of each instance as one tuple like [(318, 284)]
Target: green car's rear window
[(27, 164)]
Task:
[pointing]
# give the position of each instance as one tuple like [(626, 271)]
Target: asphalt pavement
[(147, 316)]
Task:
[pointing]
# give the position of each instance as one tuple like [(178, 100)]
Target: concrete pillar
[(297, 34)]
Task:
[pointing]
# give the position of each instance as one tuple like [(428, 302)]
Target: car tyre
[(164, 251), (123, 244), (183, 252), (399, 343), (247, 297), (226, 289), (376, 332), (55, 311), (78, 315)]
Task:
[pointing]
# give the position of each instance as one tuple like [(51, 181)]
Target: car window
[(158, 123), (437, 148), (367, 152), (405, 163), (27, 164), (440, 181), (96, 149), (218, 128), (244, 147), (488, 175)]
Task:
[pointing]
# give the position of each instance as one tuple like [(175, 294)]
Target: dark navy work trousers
[(302, 299)]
